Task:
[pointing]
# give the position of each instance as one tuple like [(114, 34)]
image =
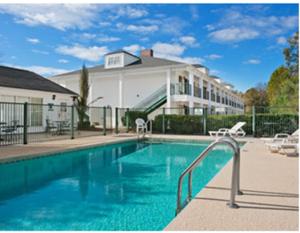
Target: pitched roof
[(121, 51), (24, 79), (143, 62)]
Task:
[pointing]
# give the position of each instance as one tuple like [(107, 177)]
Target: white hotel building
[(129, 81)]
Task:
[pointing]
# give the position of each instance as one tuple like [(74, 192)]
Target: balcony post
[(168, 83), (201, 87)]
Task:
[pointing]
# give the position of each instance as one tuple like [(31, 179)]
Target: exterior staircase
[(154, 101)]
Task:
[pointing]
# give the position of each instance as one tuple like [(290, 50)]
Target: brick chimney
[(147, 53)]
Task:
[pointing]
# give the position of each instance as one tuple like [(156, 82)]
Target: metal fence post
[(25, 122), (116, 121), (253, 121), (104, 121), (72, 122), (127, 120), (163, 121), (204, 120)]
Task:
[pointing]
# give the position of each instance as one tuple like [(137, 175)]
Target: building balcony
[(213, 96), (197, 92), (180, 89), (205, 94)]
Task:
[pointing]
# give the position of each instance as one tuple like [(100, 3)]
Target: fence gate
[(11, 123), (269, 121)]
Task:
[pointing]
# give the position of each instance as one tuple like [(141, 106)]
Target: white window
[(113, 61), (36, 112)]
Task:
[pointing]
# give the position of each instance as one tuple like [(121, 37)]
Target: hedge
[(132, 116), (265, 124), (179, 124)]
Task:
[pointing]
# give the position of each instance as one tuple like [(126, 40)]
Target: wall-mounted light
[(74, 98), (53, 97)]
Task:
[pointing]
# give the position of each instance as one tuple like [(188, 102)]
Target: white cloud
[(170, 49), (108, 39), (59, 16), (214, 72), (33, 40), (189, 41), (194, 11), (281, 40), (233, 34), (133, 48), (214, 56), (94, 37), (210, 27), (246, 23), (252, 61), (40, 51), (104, 24), (63, 61), (143, 29), (163, 24), (42, 70), (191, 60), (132, 12), (93, 53), (174, 52), (88, 36)]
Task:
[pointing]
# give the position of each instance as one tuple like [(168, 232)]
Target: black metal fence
[(260, 121), (22, 123), (50, 122)]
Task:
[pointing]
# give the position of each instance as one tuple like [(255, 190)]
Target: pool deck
[(270, 201), (269, 182), (19, 152)]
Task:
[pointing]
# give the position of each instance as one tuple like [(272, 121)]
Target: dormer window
[(119, 59), (114, 61)]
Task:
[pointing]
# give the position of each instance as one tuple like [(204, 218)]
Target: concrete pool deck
[(270, 201), (269, 182)]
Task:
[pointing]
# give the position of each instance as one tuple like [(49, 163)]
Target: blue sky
[(241, 43)]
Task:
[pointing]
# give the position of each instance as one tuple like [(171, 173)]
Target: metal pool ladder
[(235, 180)]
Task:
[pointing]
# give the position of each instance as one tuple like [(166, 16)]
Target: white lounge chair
[(235, 131), (282, 145), (281, 137)]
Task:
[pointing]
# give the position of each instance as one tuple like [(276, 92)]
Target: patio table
[(61, 124)]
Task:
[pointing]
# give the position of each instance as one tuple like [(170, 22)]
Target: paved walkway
[(17, 152), (270, 201)]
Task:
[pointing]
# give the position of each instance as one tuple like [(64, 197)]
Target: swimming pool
[(124, 186)]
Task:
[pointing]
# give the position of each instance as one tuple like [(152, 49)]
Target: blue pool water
[(126, 186)]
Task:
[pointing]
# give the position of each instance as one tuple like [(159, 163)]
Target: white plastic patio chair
[(235, 131), (141, 126)]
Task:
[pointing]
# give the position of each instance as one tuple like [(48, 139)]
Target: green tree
[(276, 81), (256, 96), (291, 55), (82, 99), (283, 86)]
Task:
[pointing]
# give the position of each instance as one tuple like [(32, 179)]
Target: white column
[(90, 97), (168, 83), (209, 91), (191, 82), (121, 90), (201, 86)]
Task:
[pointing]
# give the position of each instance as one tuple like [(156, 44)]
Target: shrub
[(265, 124), (179, 124), (132, 116)]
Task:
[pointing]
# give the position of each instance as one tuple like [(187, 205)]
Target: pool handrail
[(235, 180)]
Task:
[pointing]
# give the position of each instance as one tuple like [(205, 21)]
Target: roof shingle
[(24, 79)]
